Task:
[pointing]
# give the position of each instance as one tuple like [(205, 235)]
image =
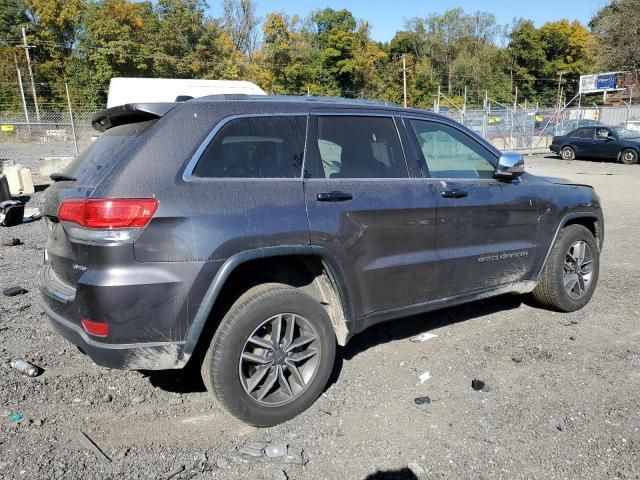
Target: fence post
[(73, 125)]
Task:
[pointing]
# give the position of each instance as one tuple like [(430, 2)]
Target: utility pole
[(24, 101), (33, 85), (559, 83), (404, 78)]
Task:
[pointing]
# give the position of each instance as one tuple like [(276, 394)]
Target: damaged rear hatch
[(124, 130)]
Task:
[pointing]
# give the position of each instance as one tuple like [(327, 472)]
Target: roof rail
[(296, 98)]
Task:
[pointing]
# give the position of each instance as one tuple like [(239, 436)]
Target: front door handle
[(334, 196), (454, 193)]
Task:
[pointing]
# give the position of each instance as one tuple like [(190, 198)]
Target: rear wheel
[(568, 153), (629, 157), (271, 356), (571, 273)]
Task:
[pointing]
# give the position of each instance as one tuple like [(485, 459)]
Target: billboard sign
[(588, 83), (603, 82)]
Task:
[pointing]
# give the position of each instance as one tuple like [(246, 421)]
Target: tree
[(617, 28), (240, 22)]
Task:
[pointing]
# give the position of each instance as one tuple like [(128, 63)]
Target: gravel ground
[(563, 397)]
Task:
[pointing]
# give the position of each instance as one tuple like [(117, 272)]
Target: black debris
[(477, 384), (12, 242), (14, 291)]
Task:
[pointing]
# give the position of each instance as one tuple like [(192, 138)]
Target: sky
[(387, 16)]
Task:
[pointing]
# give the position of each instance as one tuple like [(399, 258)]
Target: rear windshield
[(105, 152)]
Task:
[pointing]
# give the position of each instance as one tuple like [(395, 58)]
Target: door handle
[(334, 196), (454, 193)]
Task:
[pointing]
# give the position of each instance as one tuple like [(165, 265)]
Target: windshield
[(624, 133)]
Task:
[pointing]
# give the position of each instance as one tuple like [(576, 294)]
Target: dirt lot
[(563, 399)]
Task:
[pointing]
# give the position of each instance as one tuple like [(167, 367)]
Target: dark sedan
[(613, 143)]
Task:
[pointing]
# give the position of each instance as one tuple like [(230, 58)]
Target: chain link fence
[(47, 143)]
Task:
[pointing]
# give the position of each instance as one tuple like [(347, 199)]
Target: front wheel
[(271, 356), (629, 157), (571, 273), (568, 153)]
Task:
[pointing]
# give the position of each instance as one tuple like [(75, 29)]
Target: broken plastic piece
[(424, 377), (422, 402), (25, 367), (16, 416), (423, 337)]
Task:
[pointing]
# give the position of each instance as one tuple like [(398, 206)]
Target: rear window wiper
[(60, 177)]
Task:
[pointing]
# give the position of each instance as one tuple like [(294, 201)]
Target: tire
[(238, 371), (629, 157), (568, 153), (550, 291)]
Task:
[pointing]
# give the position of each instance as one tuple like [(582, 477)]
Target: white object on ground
[(424, 377), (423, 337)]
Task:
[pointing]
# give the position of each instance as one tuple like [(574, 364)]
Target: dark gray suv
[(252, 234)]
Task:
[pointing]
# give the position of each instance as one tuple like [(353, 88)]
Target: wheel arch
[(590, 220), (307, 267)]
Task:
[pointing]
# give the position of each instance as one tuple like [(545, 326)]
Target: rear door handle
[(454, 193), (334, 196)]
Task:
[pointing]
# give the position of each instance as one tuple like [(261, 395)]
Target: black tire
[(567, 153), (550, 291), (222, 366), (629, 156)]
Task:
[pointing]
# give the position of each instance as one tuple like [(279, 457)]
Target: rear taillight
[(106, 219), (108, 212)]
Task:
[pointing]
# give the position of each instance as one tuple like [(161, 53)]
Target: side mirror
[(510, 166)]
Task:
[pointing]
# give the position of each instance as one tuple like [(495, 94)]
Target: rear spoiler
[(129, 113)]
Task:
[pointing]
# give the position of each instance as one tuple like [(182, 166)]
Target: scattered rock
[(107, 398), (265, 452), (38, 422), (516, 359), (137, 400), (14, 291), (423, 337), (222, 463)]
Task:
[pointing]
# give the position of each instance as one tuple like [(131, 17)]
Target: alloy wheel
[(578, 269), (279, 359)]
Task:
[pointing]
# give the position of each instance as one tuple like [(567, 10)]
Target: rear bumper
[(554, 148), (126, 356)]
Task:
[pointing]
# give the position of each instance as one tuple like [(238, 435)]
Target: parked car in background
[(250, 235), (612, 143), (563, 128)]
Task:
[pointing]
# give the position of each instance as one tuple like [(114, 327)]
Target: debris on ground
[(422, 402), (478, 385), (15, 416), (424, 377), (423, 337), (175, 472), (416, 469), (12, 242), (24, 367), (89, 444), (30, 215), (14, 291), (277, 452), (11, 213)]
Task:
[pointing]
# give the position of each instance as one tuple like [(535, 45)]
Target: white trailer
[(142, 90)]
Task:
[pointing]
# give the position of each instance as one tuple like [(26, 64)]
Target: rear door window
[(255, 147), (585, 133), (105, 152), (359, 147)]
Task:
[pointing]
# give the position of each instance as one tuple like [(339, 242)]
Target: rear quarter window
[(255, 147)]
